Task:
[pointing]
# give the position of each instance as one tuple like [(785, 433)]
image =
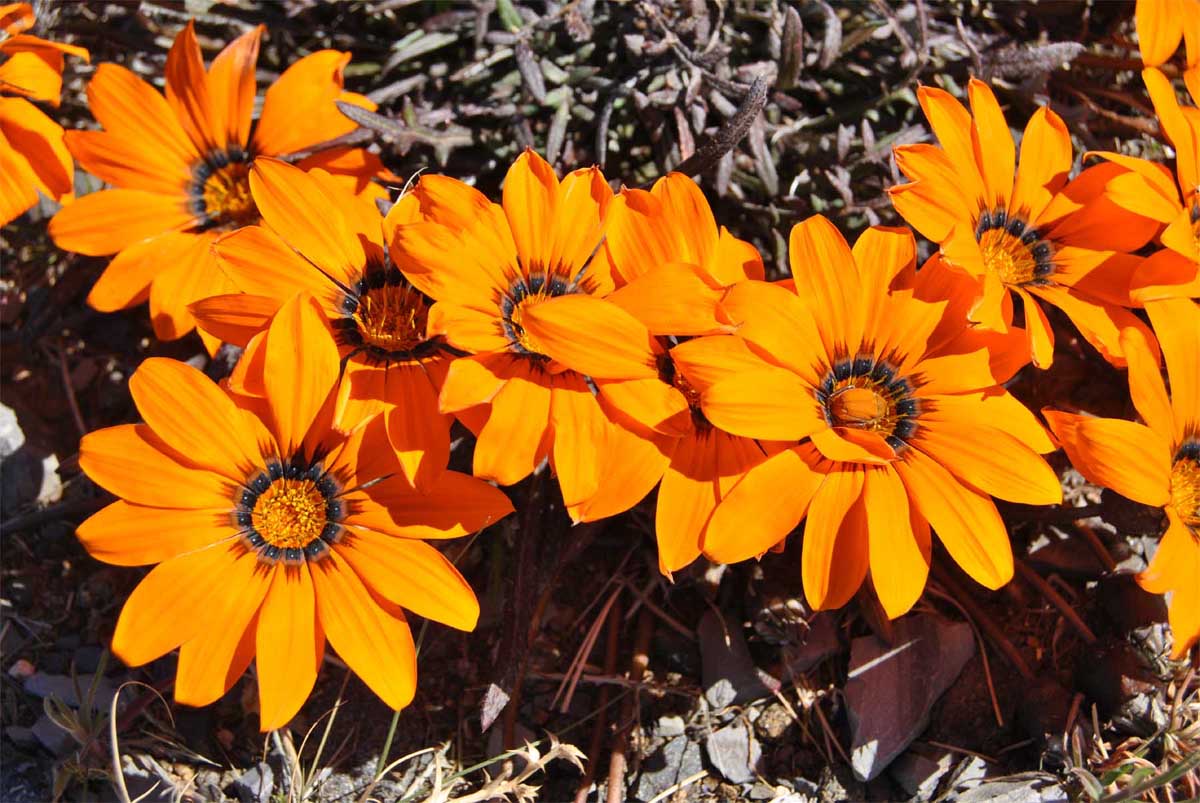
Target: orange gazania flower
[(1157, 463), (897, 415), (1161, 24), (1147, 189), (322, 239), (274, 531), (181, 165), (33, 155), (486, 265), (666, 244), (1026, 232)]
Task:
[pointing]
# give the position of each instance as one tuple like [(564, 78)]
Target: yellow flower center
[(393, 318), (1185, 484), (865, 393), (523, 293), (1011, 250), (290, 514), (862, 408), (220, 190)]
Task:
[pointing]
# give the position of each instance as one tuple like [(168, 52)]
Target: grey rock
[(11, 436), (892, 688), (729, 673), (734, 752), (255, 784), (918, 774), (63, 688), (669, 726), (678, 759), (820, 643), (1037, 789), (146, 779), (21, 736), (53, 738)]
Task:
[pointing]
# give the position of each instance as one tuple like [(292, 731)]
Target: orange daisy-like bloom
[(319, 238), (274, 530), (33, 156), (486, 265), (1157, 463), (667, 245), (1027, 232), (896, 416), (1161, 24), (1148, 190), (181, 163)]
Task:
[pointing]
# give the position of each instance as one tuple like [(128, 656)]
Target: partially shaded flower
[(181, 166), (1021, 231), (666, 245), (1146, 189), (1156, 463), (33, 155), (318, 237), (1161, 24), (274, 530), (896, 413), (486, 265)]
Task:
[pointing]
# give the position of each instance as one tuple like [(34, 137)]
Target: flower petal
[(1046, 157), (965, 520), (124, 534), (686, 500), (774, 319), (232, 87), (1177, 324), (413, 575), (769, 403), (135, 464), (899, 566), (374, 641), (825, 273), (289, 645), (1129, 458), (991, 460), (102, 223), (517, 435), (592, 336), (832, 563), (992, 142), (452, 506), (301, 368), (673, 298)]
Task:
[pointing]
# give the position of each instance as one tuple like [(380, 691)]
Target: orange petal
[(1165, 274), (234, 318), (289, 645), (1177, 126), (843, 444), (232, 87), (1129, 458), (531, 205), (196, 418), (1146, 384), (1041, 335), (40, 140), (1171, 565), (516, 437), (126, 163), (134, 535), (476, 380), (134, 112), (467, 328), (188, 94), (998, 408), (473, 266), (705, 361), (769, 403), (1159, 25), (735, 260), (1099, 323), (105, 222), (1046, 156), (828, 569), (591, 336), (826, 274), (686, 500), (417, 431), (578, 226), (194, 276), (299, 111), (991, 460), (882, 253), (951, 124), (899, 567), (653, 403), (993, 145), (631, 463), (775, 320), (301, 368), (17, 182), (171, 603), (774, 495), (212, 661), (1133, 193), (135, 464), (292, 203), (413, 575), (579, 427), (965, 520), (127, 279), (374, 641), (1177, 323), (673, 299), (257, 261)]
